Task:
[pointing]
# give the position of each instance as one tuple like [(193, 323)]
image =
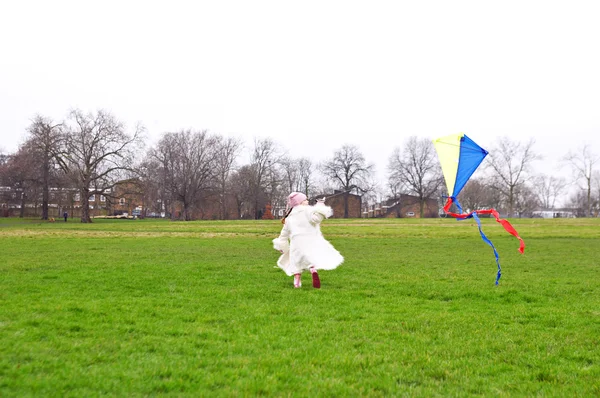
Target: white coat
[(302, 243)]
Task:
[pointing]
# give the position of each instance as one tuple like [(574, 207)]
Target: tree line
[(189, 172)]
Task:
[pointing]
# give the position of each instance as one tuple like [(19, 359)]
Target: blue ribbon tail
[(489, 242), (460, 209)]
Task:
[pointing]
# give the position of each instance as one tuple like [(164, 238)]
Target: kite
[(459, 157)]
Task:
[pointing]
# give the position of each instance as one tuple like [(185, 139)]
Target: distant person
[(301, 243), (66, 215)]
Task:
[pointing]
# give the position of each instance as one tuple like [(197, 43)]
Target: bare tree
[(4, 193), (97, 153), (597, 185), (45, 141), (3, 157), (548, 189), (578, 202), (583, 165), (189, 159), (476, 195), (227, 153), (417, 169), (295, 175), (241, 186), (150, 175), (291, 174), (266, 155), (510, 163), (395, 189), (159, 160), (18, 172), (348, 170), (34, 168), (525, 200), (305, 176)]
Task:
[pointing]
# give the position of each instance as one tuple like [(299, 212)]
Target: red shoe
[(316, 280)]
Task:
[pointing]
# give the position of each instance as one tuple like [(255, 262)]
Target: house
[(558, 213), (402, 206), (337, 201), (213, 207), (125, 197), (16, 202)]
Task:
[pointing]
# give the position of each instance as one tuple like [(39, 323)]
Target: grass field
[(144, 307)]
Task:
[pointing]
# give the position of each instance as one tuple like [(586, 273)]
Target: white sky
[(312, 74)]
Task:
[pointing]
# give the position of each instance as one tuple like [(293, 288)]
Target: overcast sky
[(311, 74)]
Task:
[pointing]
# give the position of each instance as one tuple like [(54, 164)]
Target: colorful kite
[(459, 157)]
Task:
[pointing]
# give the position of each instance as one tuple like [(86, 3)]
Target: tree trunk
[(45, 203), (511, 199), (22, 209), (421, 207), (589, 199), (45, 190), (222, 206), (239, 205), (173, 215), (186, 212), (85, 208), (346, 204)]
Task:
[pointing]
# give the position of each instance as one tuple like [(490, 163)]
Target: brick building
[(125, 197), (337, 202), (210, 209), (403, 206)]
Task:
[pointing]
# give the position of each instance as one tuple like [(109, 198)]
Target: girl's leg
[(315, 278), (297, 281)]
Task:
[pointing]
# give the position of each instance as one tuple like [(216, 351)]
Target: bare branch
[(349, 170), (97, 151), (416, 170), (510, 164), (583, 165)]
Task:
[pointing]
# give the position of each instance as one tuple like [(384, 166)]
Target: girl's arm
[(282, 243), (319, 213)]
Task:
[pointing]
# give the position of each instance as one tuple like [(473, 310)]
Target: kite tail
[(507, 226), (489, 242)]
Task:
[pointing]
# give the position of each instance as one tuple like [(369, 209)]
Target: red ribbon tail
[(510, 229)]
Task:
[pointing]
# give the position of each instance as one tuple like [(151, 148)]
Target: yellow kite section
[(448, 150)]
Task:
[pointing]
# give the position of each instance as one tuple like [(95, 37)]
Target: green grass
[(151, 307)]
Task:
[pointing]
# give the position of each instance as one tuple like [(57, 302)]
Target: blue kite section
[(471, 156)]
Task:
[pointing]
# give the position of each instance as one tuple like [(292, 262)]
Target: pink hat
[(295, 199)]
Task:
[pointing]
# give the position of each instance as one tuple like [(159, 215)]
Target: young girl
[(301, 243)]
